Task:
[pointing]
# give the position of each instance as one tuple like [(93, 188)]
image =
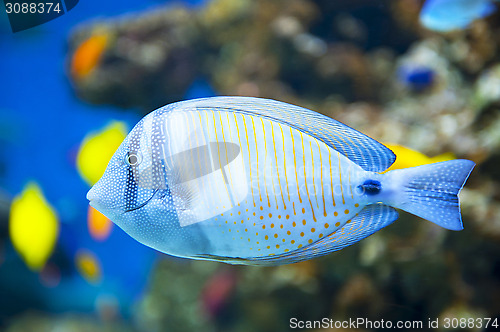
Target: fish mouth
[(92, 198), (143, 204), (97, 203), (91, 194)]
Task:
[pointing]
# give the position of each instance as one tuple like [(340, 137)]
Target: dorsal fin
[(371, 219), (361, 149)]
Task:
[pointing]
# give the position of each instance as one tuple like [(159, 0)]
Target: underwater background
[(73, 87)]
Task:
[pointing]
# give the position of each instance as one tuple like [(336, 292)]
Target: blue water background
[(42, 123)]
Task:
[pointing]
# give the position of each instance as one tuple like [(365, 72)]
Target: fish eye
[(133, 158)]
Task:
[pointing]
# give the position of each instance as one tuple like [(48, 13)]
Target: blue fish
[(449, 15), (260, 182)]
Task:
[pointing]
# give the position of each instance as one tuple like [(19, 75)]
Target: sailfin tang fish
[(260, 182)]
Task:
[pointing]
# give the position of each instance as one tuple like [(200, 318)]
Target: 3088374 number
[(478, 323), (32, 8)]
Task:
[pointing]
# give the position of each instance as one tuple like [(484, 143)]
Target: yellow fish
[(96, 150), (88, 55), (33, 226), (406, 157)]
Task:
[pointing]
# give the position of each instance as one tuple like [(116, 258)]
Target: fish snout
[(91, 195), (93, 198), (102, 199)]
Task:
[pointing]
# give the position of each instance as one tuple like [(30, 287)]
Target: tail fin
[(431, 191)]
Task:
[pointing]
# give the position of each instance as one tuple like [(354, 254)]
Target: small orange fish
[(99, 226), (88, 55), (88, 265)]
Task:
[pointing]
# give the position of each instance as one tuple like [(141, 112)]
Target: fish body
[(449, 15), (253, 181)]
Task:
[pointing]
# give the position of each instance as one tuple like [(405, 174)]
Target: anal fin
[(371, 219)]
